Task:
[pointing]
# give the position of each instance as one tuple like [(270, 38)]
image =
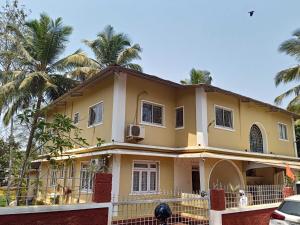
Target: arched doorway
[(225, 173), (257, 139)]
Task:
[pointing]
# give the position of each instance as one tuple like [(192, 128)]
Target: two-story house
[(161, 135)]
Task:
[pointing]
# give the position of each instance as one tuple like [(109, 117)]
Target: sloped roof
[(209, 88)]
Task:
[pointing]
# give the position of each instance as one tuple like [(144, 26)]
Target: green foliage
[(109, 48), (198, 77), (2, 201), (54, 137), (290, 47), (100, 141)]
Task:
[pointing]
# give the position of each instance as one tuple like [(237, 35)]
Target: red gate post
[(102, 187), (217, 199)]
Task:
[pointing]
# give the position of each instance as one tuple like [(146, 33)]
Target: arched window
[(256, 139)]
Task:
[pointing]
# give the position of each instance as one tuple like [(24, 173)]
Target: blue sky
[(240, 51)]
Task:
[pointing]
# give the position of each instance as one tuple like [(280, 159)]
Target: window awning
[(278, 163)]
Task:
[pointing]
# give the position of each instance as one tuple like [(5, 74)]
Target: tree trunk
[(28, 147), (11, 141)]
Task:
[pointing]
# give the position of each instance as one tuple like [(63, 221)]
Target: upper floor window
[(96, 114), (256, 139), (145, 177), (282, 131), (179, 117), (224, 117), (76, 118), (152, 113)]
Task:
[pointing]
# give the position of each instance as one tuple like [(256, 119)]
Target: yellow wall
[(102, 91), (186, 136), (157, 93), (166, 173), (245, 115)]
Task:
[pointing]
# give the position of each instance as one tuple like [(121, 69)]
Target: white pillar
[(202, 175), (116, 168), (201, 117), (119, 106), (294, 138)]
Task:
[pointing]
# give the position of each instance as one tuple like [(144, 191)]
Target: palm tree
[(290, 47), (197, 77), (41, 79), (109, 48)]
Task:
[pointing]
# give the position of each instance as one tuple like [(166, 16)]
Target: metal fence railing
[(47, 190), (253, 195), (186, 209)]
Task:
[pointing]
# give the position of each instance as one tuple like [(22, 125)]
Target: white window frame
[(279, 130), (53, 181), (232, 115), (89, 189), (157, 170), (153, 124), (71, 171), (99, 123), (74, 116), (182, 127), (61, 171)]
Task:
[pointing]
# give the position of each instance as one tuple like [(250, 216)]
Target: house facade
[(160, 135)]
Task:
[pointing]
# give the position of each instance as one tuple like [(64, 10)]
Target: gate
[(187, 209)]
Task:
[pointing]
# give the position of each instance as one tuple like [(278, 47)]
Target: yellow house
[(160, 135)]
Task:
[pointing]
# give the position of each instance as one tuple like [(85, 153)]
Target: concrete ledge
[(250, 208), (52, 208)]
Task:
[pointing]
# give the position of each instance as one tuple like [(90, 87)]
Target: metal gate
[(186, 208)]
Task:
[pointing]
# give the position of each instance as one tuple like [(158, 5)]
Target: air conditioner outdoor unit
[(135, 132)]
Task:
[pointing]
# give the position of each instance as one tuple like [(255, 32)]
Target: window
[(96, 114), (71, 170), (76, 118), (86, 177), (152, 113), (61, 171), (290, 208), (256, 140), (282, 131), (179, 117), (145, 177), (224, 117), (53, 177)]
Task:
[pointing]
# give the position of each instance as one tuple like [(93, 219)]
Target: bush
[(2, 201)]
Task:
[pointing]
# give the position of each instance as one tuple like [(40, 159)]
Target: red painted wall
[(76, 217), (257, 217)]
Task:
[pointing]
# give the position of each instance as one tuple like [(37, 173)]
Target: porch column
[(201, 117), (116, 167), (202, 175)]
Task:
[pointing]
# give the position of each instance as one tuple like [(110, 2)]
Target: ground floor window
[(86, 177), (145, 176), (53, 177)]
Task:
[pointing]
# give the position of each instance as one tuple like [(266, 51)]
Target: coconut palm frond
[(294, 105), (287, 75), (295, 90), (83, 73), (134, 66), (61, 85), (129, 54)]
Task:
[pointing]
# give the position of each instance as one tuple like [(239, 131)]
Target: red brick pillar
[(217, 199), (287, 191), (102, 187)]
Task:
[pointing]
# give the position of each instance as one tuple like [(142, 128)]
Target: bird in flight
[(251, 13)]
